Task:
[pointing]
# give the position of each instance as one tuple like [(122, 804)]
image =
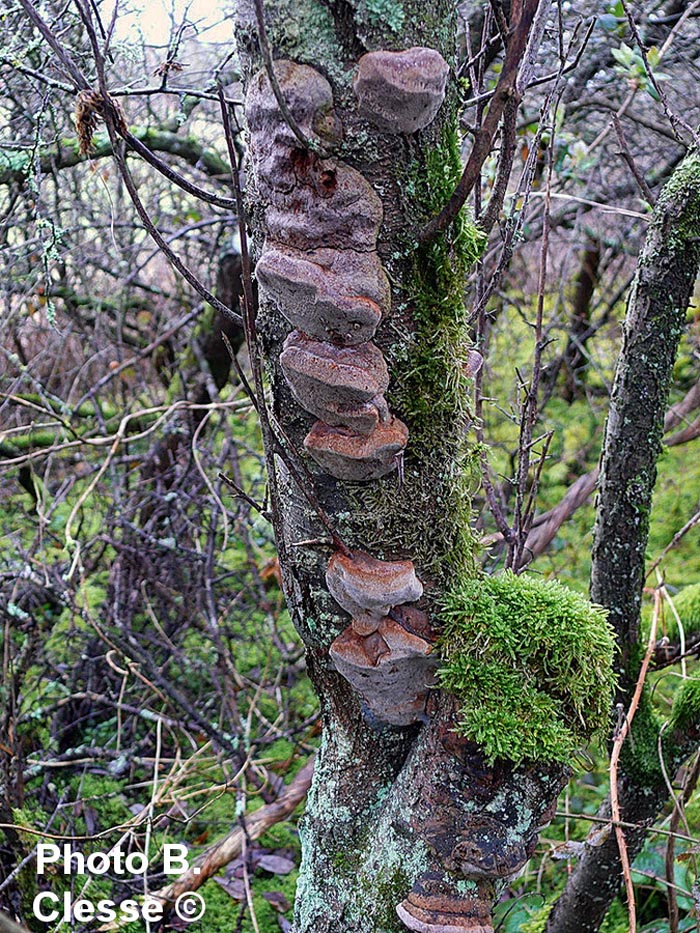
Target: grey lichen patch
[(310, 34), (389, 14)]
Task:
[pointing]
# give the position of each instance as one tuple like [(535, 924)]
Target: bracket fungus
[(368, 588), (357, 458), (309, 98), (333, 294), (329, 205), (390, 668), (434, 906), (401, 92), (343, 386)]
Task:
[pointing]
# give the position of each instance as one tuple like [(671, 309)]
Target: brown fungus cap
[(357, 458), (359, 419), (309, 97), (391, 669), (401, 92), (332, 294), (307, 94), (343, 386), (433, 906), (329, 204), (365, 585)]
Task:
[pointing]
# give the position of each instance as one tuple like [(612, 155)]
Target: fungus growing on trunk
[(332, 294), (309, 97), (343, 386), (433, 906), (357, 458), (369, 588), (330, 205), (401, 92), (390, 668), (478, 823)]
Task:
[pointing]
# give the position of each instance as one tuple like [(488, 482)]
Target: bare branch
[(631, 164), (505, 90)]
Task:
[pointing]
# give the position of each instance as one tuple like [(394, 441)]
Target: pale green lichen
[(388, 13), (531, 663)]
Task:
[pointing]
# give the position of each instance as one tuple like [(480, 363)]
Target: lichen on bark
[(399, 815)]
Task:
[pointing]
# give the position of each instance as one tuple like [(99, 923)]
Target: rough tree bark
[(656, 312), (404, 818)]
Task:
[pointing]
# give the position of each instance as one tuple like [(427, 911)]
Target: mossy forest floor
[(148, 751)]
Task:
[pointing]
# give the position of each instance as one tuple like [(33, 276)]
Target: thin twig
[(505, 90), (522, 513), (676, 121), (175, 177), (675, 541), (614, 764), (113, 121), (505, 165), (631, 164), (70, 68), (142, 354), (678, 813), (604, 821), (244, 495), (679, 624), (155, 234)]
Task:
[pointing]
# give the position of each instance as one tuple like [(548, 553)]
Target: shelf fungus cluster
[(321, 268), (385, 652), (479, 824), (401, 92)]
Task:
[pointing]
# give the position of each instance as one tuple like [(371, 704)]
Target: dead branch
[(220, 854)]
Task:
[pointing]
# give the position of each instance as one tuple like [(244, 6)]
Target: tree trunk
[(659, 298), (406, 825)]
